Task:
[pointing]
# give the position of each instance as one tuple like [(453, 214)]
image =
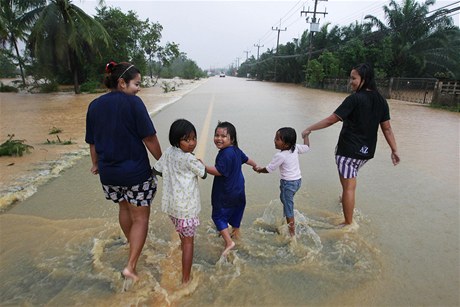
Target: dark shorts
[(140, 194), (222, 217)]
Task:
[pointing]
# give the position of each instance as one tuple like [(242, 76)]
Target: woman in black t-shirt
[(361, 113)]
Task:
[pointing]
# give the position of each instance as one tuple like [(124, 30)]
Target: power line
[(368, 10), (374, 36)]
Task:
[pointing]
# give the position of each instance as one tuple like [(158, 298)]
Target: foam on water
[(26, 186)]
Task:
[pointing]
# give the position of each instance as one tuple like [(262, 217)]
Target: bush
[(14, 147), (91, 87), (168, 86), (55, 130), (49, 87), (8, 88)]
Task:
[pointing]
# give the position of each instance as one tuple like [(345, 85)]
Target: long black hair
[(366, 72)]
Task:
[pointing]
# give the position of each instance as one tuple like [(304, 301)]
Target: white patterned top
[(180, 172)]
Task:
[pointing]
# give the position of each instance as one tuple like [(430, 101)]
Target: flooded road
[(63, 245)]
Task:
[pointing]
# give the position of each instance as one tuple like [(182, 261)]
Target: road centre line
[(200, 151)]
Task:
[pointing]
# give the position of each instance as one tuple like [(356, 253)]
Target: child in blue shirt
[(228, 196)]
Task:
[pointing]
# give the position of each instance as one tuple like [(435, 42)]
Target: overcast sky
[(219, 33)]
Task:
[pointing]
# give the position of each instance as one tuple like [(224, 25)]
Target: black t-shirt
[(361, 113)]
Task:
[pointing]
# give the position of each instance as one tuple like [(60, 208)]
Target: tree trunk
[(76, 85), (74, 70), (21, 64)]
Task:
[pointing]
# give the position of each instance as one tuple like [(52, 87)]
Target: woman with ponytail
[(118, 131)]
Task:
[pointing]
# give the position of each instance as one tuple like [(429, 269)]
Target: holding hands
[(259, 169), (305, 133)]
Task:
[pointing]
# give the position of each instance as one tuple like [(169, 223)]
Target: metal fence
[(412, 89), (448, 93), (419, 90)]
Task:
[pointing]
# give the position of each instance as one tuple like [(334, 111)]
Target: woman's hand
[(395, 158), (94, 170)]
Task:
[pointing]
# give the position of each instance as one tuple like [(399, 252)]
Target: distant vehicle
[(222, 75)]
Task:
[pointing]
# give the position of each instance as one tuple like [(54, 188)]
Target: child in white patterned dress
[(180, 170)]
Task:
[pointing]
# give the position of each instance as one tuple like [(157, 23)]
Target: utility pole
[(277, 44), (314, 27), (314, 24), (258, 47), (278, 40), (247, 52)]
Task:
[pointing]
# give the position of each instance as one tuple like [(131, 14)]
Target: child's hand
[(305, 133), (258, 169)]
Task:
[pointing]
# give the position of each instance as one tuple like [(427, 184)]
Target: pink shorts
[(185, 227)]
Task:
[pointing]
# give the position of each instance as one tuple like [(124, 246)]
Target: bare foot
[(227, 249), (348, 227), (130, 275)]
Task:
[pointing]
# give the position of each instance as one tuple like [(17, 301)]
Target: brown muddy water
[(62, 245), (31, 117)]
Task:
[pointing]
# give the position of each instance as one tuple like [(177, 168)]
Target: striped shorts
[(348, 167)]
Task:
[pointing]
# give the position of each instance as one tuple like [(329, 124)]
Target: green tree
[(315, 73), (137, 41), (164, 56), (149, 42), (7, 67), (184, 68), (288, 68), (63, 37), (16, 19), (421, 41), (330, 64), (126, 31)]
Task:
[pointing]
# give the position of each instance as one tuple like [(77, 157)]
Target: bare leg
[(291, 225), (124, 218), (187, 257), (348, 198), (137, 236), (229, 244), (236, 234)]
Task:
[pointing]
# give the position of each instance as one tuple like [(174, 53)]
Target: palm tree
[(16, 19), (63, 36), (419, 38)]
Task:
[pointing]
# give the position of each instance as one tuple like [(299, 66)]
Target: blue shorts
[(288, 188), (140, 194), (222, 217), (348, 167)]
